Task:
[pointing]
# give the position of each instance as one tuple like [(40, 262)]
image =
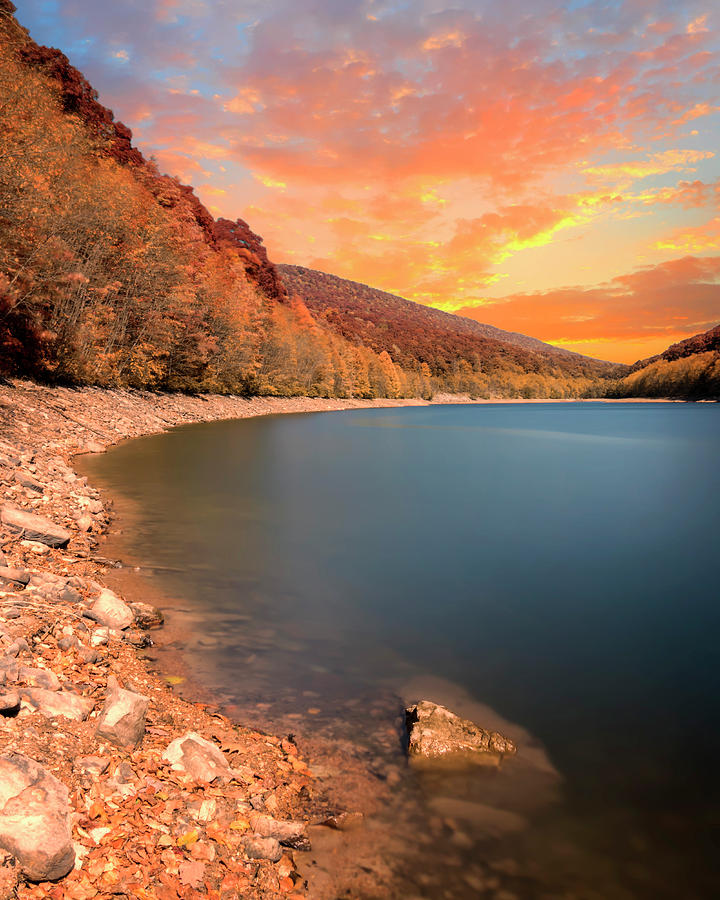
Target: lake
[(556, 562)]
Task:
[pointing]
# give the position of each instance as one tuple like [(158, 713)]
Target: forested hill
[(689, 369), (113, 273), (414, 334)]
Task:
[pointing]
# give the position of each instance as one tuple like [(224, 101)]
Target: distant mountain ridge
[(414, 334)]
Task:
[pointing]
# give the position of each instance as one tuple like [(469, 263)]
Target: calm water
[(556, 561)]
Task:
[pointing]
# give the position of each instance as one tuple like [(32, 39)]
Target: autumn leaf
[(188, 838)]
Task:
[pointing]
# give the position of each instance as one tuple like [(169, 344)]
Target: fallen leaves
[(188, 838)]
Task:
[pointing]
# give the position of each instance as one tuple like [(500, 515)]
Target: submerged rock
[(147, 616), (34, 819), (435, 732), (35, 528)]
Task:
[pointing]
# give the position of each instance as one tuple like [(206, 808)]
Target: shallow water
[(557, 562)]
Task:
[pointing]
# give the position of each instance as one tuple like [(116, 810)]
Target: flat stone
[(9, 575), (39, 678), (111, 611), (198, 758), (58, 703), (435, 732), (122, 718), (91, 765), (34, 819), (263, 848), (27, 481), (34, 527)]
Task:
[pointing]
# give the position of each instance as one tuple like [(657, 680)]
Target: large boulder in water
[(434, 732)]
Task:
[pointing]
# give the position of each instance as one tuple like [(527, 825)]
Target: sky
[(546, 167)]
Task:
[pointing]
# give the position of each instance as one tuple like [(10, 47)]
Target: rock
[(34, 527), (91, 765), (9, 669), (436, 733), (137, 638), (263, 848), (27, 481), (345, 821), (111, 611), (198, 758), (100, 637), (58, 703), (85, 523), (147, 616), (9, 703), (87, 654), (34, 819), (9, 575), (68, 642), (289, 834), (94, 447), (39, 678), (35, 547), (18, 646), (122, 718)]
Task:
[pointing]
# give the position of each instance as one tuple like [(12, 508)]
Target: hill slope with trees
[(688, 370), (454, 351)]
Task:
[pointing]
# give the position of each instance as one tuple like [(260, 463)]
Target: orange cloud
[(631, 316), (657, 164), (694, 240)]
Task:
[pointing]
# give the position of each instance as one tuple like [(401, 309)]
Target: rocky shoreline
[(110, 784)]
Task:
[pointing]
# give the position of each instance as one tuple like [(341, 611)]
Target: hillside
[(451, 347), (689, 370), (112, 273)]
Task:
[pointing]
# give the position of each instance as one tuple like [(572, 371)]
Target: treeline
[(457, 354), (692, 377)]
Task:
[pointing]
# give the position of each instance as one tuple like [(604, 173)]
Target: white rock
[(58, 703), (198, 758), (111, 611)]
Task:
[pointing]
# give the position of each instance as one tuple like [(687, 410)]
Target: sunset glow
[(546, 167)]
